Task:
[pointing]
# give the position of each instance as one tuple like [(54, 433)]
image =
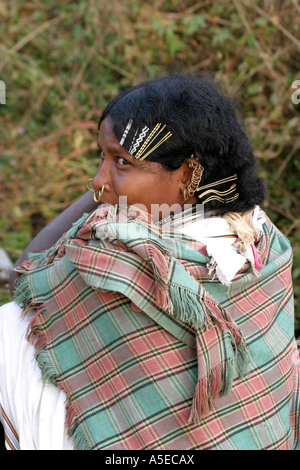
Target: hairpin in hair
[(141, 155), (126, 132), (139, 149), (217, 198), (137, 142), (218, 195)]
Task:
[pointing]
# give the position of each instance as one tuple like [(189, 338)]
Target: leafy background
[(63, 61)]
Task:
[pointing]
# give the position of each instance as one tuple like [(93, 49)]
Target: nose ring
[(97, 193)]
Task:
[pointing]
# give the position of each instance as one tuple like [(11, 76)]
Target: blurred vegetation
[(63, 61)]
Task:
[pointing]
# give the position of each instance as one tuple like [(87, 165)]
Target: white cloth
[(218, 236), (228, 260), (36, 410)]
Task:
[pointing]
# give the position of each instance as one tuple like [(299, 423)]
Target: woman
[(162, 318)]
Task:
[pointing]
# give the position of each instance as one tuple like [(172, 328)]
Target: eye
[(122, 161), (101, 155)]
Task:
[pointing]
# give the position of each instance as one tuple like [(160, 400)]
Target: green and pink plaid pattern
[(152, 353)]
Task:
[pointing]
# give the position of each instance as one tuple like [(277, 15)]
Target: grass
[(62, 61)]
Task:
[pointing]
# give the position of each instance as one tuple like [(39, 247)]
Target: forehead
[(108, 142), (106, 135)]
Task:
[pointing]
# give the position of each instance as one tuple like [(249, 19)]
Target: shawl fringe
[(22, 293), (185, 307), (219, 383), (208, 389), (38, 337), (44, 257), (79, 439), (47, 369)]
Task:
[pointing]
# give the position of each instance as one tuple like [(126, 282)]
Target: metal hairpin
[(141, 155), (218, 195), (140, 149)]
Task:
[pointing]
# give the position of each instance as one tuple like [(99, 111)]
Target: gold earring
[(88, 185), (193, 186), (97, 193)]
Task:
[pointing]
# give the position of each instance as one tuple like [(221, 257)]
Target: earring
[(97, 193), (193, 186)]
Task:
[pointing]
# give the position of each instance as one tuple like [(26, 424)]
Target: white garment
[(218, 236), (36, 410), (228, 260)]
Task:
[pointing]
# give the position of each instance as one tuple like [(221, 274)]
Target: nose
[(102, 178)]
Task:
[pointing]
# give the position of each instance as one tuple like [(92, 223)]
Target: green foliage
[(62, 62)]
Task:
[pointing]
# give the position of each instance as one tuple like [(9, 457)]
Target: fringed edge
[(189, 307), (207, 390), (22, 294), (34, 332), (80, 441), (219, 383), (76, 429), (160, 257), (76, 226), (44, 257), (36, 335), (46, 367), (199, 311)]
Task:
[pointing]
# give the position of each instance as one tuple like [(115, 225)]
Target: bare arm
[(52, 232)]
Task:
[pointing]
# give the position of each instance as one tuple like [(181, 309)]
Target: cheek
[(168, 186), (162, 190)]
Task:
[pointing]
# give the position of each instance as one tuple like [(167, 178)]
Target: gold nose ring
[(97, 193), (88, 184)]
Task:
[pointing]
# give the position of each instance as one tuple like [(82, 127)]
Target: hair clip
[(136, 143), (139, 149), (218, 195), (220, 199), (217, 183), (126, 132), (141, 155)]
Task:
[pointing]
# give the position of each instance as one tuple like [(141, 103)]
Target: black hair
[(204, 121)]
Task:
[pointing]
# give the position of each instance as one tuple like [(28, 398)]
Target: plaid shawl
[(150, 351)]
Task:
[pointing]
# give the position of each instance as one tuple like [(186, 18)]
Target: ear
[(186, 173), (184, 177)]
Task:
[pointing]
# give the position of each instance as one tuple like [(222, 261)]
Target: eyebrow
[(117, 149)]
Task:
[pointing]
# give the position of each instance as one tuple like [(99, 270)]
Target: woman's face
[(146, 183)]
